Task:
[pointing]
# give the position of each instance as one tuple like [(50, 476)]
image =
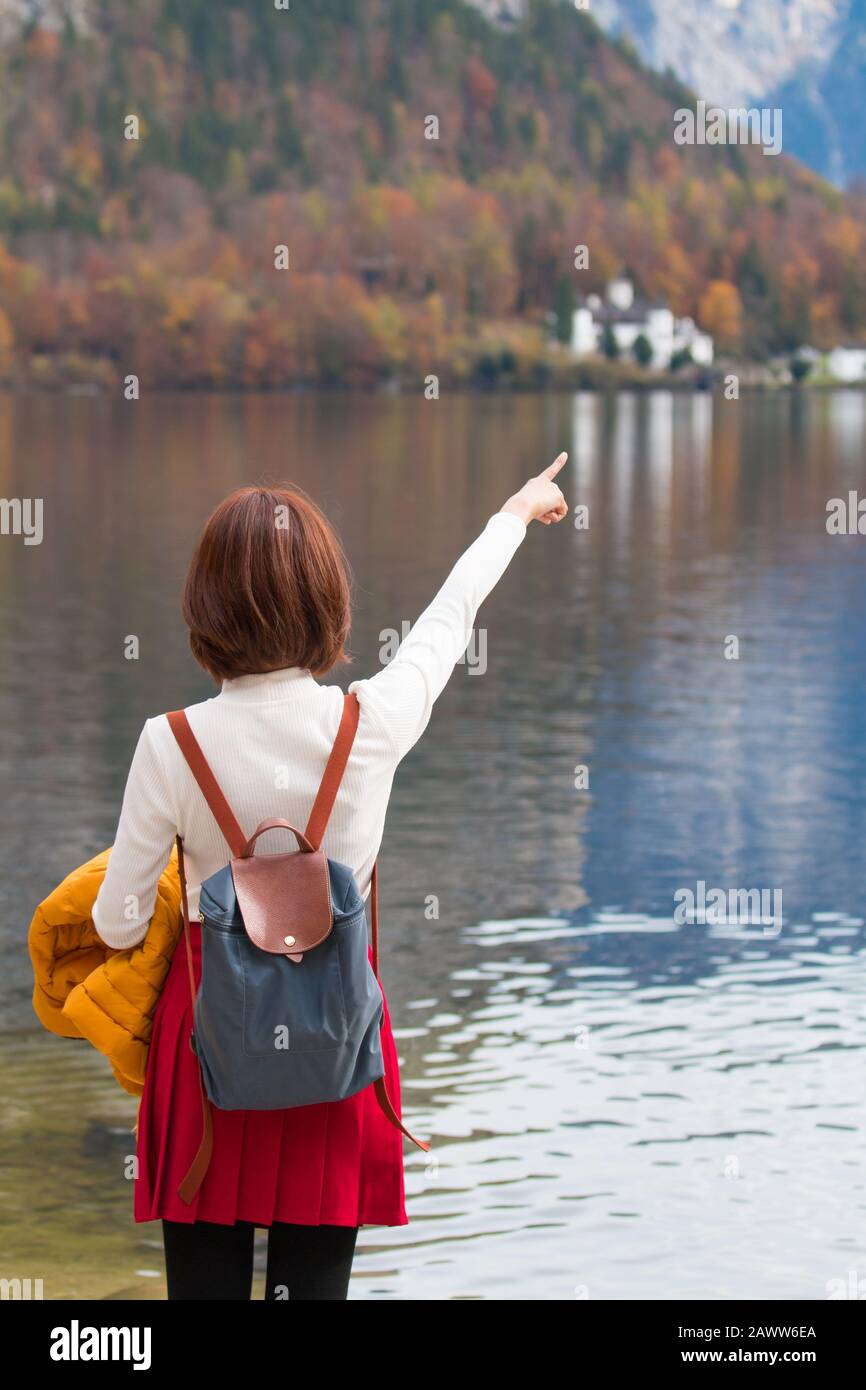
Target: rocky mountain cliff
[(807, 56)]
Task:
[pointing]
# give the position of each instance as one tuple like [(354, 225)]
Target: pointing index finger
[(553, 469)]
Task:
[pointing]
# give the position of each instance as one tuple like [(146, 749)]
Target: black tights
[(204, 1260)]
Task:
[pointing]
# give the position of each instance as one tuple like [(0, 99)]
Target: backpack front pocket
[(289, 1007)]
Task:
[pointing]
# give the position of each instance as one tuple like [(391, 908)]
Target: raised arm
[(401, 697)]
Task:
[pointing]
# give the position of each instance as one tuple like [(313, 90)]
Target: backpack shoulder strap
[(210, 789), (220, 808), (333, 775)]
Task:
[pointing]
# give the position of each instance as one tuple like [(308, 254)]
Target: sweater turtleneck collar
[(266, 686)]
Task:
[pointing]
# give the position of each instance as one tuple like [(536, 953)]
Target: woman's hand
[(540, 499)]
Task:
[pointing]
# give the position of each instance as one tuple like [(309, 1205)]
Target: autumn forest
[(428, 175)]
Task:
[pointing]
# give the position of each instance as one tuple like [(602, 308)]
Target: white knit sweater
[(267, 738)]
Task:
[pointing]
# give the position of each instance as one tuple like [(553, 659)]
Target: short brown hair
[(268, 587)]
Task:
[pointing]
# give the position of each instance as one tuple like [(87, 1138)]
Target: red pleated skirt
[(338, 1164)]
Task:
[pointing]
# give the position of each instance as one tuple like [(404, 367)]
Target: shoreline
[(98, 390)]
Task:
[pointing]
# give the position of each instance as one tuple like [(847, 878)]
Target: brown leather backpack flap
[(285, 900)]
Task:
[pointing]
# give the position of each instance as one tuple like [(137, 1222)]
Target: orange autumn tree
[(7, 341), (720, 313), (481, 86)]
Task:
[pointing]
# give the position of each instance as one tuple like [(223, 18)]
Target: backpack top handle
[(277, 824)]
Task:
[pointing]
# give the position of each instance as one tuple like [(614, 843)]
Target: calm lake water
[(622, 1106)]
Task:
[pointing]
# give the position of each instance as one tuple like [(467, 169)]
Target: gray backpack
[(289, 1009)]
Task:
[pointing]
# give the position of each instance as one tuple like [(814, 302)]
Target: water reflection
[(618, 1104)]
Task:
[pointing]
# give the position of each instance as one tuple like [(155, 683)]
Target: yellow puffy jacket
[(83, 988)]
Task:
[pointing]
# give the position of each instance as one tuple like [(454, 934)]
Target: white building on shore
[(628, 319), (847, 362)]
